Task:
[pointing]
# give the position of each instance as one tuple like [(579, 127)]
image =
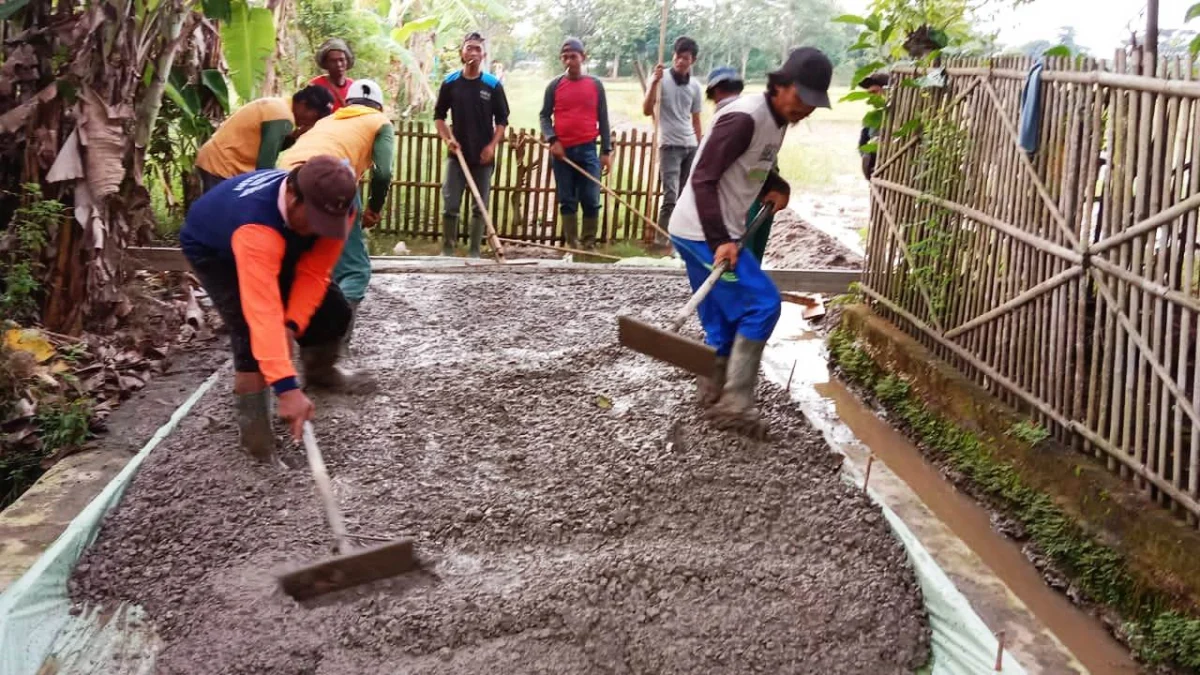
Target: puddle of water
[(1085, 636)]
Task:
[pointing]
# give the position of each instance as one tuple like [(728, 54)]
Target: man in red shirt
[(335, 58), (574, 112)]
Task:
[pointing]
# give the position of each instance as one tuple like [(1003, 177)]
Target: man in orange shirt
[(335, 58), (253, 136), (263, 245)]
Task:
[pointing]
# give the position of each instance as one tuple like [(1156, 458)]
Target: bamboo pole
[(1008, 307), (662, 46), (1031, 240), (890, 221), (611, 192), (564, 249), (1134, 83), (1147, 225), (1189, 321), (1034, 402), (493, 236), (1042, 191)]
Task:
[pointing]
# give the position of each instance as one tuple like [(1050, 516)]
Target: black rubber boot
[(449, 234), (735, 410), (571, 230), (708, 389), (476, 236), (321, 370), (254, 425), (591, 225), (344, 350)]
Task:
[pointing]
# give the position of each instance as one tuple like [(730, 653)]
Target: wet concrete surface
[(1042, 627), (574, 513)]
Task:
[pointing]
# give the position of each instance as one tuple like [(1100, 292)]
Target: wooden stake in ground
[(493, 237), (662, 47)]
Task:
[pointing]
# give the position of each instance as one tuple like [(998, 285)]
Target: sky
[(1100, 25)]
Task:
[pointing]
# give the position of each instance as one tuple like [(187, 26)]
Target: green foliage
[(21, 253), (9, 8), (892, 389), (1028, 432), (249, 40), (1158, 633), (64, 424)]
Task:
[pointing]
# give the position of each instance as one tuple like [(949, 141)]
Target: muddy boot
[(449, 234), (709, 388), (254, 425), (321, 370), (591, 225), (571, 230), (344, 348), (476, 236), (735, 410)]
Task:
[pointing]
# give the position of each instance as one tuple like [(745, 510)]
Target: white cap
[(367, 89)]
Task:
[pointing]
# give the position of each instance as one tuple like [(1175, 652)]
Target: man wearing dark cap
[(263, 245), (735, 162), (477, 106), (335, 58), (574, 112)]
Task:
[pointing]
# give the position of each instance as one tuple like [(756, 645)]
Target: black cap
[(473, 36), (811, 71)]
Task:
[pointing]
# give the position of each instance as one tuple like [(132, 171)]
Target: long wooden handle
[(493, 238), (610, 192), (720, 268), (316, 464)]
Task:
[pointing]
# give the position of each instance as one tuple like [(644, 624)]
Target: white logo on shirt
[(256, 182), (485, 94)]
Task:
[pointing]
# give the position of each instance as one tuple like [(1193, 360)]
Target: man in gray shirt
[(679, 128)]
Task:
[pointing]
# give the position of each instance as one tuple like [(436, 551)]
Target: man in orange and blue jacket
[(264, 245)]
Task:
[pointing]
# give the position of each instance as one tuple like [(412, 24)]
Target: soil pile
[(575, 513), (797, 244)]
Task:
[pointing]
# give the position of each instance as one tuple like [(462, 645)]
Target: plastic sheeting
[(35, 610), (36, 626)]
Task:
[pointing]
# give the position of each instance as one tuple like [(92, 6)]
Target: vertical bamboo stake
[(662, 46), (1188, 322)]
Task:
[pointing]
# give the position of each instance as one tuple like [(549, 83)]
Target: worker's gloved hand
[(370, 219), (557, 150), (605, 164), (778, 200), (727, 252), (295, 408)]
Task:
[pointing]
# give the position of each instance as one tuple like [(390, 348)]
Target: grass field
[(819, 155)]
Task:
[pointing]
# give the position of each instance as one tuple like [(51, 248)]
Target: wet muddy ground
[(574, 512)]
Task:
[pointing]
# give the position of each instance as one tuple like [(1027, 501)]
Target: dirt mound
[(797, 244), (576, 514)]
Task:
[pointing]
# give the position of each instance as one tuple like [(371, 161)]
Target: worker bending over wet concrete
[(734, 163), (361, 134), (574, 111), (263, 245), (253, 136), (478, 108)]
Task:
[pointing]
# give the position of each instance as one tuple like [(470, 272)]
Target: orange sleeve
[(312, 281), (259, 252)]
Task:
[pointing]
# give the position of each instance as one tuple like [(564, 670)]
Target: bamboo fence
[(523, 202), (1066, 280)]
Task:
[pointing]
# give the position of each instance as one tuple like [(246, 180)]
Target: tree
[(81, 90)]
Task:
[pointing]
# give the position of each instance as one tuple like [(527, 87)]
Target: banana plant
[(248, 40)]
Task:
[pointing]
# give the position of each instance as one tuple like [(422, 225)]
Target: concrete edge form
[(35, 608)]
